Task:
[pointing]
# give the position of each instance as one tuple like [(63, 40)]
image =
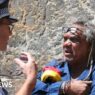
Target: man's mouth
[(67, 52)]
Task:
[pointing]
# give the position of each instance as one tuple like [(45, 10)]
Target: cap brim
[(12, 20)]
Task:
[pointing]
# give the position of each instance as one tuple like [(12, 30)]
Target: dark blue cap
[(4, 12)]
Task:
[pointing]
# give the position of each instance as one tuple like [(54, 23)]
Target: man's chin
[(69, 59)]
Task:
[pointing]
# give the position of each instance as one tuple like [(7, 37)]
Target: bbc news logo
[(6, 83)]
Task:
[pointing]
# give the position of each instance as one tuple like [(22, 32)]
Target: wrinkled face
[(75, 46), (5, 32)]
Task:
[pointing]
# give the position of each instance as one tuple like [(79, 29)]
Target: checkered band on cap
[(2, 1), (4, 12)]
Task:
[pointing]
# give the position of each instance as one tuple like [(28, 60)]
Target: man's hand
[(29, 68), (77, 87)]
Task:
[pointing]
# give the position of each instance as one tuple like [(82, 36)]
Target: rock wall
[(39, 31)]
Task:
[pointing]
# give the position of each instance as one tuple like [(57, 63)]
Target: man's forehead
[(78, 26), (73, 35)]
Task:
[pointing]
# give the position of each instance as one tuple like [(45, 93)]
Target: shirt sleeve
[(93, 84), (3, 91)]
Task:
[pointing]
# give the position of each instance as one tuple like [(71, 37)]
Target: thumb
[(19, 62), (87, 82)]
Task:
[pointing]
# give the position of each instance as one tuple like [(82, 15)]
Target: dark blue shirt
[(42, 88), (3, 91)]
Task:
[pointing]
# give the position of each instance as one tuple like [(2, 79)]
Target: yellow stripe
[(52, 74)]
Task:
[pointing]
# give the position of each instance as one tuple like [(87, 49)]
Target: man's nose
[(67, 42), (10, 31)]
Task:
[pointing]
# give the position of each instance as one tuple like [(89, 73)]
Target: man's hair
[(89, 33)]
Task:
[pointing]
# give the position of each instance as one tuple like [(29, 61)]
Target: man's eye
[(74, 40), (65, 39)]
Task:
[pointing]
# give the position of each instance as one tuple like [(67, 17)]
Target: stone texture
[(39, 30)]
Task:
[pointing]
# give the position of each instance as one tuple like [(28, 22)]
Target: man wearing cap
[(29, 69), (5, 30), (6, 24)]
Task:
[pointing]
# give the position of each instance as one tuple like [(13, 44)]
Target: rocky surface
[(39, 31)]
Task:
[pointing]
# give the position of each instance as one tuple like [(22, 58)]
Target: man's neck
[(76, 68)]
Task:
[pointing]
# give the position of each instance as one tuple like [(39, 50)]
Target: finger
[(30, 58), (87, 82), (19, 62), (23, 57)]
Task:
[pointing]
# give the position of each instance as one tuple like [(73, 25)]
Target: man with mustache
[(74, 74)]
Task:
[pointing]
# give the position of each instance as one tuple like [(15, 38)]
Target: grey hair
[(90, 36), (89, 33)]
